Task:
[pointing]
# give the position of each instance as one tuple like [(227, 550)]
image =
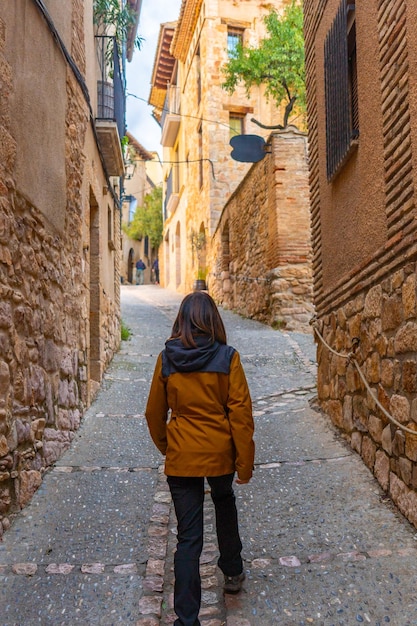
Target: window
[(234, 37), (109, 224), (236, 124), (341, 92), (132, 207), (110, 229), (198, 74)]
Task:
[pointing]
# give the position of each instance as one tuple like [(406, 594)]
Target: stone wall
[(261, 248), (47, 280), (384, 321)]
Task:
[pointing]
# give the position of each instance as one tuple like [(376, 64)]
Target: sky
[(140, 122)]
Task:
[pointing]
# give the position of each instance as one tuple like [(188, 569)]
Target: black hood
[(191, 359)]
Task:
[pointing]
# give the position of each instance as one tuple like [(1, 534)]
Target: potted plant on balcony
[(198, 244)]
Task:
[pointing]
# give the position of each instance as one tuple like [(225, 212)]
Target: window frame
[(341, 89), (235, 36), (240, 117)]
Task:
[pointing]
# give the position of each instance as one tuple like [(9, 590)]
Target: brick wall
[(261, 248)]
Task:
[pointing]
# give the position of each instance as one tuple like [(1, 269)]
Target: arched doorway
[(130, 261)]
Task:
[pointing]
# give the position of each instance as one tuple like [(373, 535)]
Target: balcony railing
[(171, 192), (111, 104), (170, 118)]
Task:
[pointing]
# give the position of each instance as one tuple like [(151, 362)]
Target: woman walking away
[(199, 414)]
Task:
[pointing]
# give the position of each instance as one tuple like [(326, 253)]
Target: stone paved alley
[(322, 545)]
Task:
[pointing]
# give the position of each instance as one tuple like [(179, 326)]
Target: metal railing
[(111, 99), (171, 187), (172, 103)]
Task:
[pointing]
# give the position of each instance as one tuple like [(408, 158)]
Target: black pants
[(188, 496)]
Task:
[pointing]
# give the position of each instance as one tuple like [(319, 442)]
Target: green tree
[(278, 62), (147, 220), (114, 18)]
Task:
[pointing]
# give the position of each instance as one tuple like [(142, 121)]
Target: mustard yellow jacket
[(202, 420)]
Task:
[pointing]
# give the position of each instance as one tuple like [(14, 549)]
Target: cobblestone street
[(322, 544)]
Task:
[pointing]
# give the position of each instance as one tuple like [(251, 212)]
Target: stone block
[(411, 443), (387, 373), (368, 452), (5, 499), (404, 498), (63, 393), (406, 338), (28, 483), (397, 279), (375, 426), (373, 302), (334, 410), (373, 368), (347, 414), (381, 345), (37, 428), (392, 313), (382, 469), (353, 382), (409, 376), (400, 409), (405, 467), (386, 439), (4, 382), (150, 605), (50, 356), (356, 441), (414, 410), (398, 443), (409, 297), (36, 384), (23, 431), (4, 447), (66, 364)]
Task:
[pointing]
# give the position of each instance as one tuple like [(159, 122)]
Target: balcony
[(170, 118), (110, 120), (172, 196)]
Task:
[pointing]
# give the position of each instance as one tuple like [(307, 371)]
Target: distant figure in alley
[(200, 379), (140, 268)]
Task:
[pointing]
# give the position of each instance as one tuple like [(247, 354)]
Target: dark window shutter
[(337, 92)]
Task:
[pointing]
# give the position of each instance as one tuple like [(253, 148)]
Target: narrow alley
[(322, 544)]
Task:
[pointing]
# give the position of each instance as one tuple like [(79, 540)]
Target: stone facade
[(261, 251), (59, 221), (196, 114), (364, 236)]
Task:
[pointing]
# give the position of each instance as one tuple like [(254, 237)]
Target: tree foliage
[(113, 18), (278, 61), (147, 220)]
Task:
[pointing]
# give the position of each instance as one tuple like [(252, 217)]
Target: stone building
[(143, 173), (261, 249), (198, 118), (61, 118), (361, 61)]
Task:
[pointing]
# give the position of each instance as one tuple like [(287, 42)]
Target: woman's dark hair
[(198, 315)]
